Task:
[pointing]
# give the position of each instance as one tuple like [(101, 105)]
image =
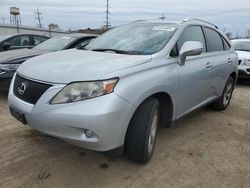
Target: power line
[(38, 17), (107, 22), (163, 17)]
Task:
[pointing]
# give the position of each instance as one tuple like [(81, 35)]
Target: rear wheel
[(223, 102), (142, 131)]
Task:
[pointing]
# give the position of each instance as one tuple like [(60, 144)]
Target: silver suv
[(126, 83)]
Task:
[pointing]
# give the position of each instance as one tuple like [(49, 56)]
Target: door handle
[(209, 65), (229, 60)]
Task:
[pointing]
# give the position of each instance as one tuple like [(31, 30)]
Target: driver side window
[(192, 33)]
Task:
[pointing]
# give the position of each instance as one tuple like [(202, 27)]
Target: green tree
[(53, 27)]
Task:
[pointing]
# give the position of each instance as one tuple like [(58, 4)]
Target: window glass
[(83, 42), (56, 43), (39, 39), (226, 45), (174, 52), (193, 33), (137, 38), (22, 40), (240, 45), (214, 41)]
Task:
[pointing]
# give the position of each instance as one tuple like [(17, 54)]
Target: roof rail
[(189, 19)]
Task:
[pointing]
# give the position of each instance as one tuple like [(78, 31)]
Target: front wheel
[(142, 130), (223, 102)]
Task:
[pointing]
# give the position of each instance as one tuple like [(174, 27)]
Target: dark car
[(10, 60), (18, 41)]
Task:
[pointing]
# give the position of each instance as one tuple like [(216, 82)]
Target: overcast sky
[(75, 14)]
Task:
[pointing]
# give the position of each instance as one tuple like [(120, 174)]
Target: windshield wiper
[(242, 50), (118, 51)]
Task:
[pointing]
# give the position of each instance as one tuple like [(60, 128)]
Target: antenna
[(107, 22), (38, 17), (163, 17)]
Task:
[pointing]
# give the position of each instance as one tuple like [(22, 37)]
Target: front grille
[(28, 90)]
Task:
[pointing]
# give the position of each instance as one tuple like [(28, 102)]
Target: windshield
[(56, 43), (136, 38), (4, 37), (241, 45)]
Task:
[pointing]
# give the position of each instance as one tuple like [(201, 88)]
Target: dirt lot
[(206, 149)]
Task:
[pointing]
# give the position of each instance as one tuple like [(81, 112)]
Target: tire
[(224, 100), (142, 131)]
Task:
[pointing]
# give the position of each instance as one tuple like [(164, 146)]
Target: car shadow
[(3, 94), (242, 82)]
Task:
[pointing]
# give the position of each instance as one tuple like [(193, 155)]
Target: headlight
[(245, 62), (8, 67), (84, 90)]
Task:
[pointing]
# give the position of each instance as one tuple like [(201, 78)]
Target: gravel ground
[(206, 149)]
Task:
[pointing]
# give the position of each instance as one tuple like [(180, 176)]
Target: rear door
[(220, 58), (194, 83)]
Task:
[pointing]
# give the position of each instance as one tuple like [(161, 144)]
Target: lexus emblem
[(22, 88)]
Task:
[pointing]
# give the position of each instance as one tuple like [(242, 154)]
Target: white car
[(242, 47)]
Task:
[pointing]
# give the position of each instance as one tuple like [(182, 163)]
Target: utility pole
[(107, 23), (163, 17), (38, 17)]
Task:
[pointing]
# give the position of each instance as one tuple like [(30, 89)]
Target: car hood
[(77, 65), (243, 55), (8, 56)]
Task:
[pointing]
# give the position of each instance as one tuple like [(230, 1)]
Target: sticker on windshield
[(163, 28)]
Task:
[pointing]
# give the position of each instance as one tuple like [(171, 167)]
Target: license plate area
[(19, 116)]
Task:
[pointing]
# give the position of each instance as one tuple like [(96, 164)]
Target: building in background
[(7, 29)]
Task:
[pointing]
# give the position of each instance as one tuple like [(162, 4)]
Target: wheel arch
[(234, 76), (166, 106)]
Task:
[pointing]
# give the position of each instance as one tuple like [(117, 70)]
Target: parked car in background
[(10, 60), (18, 41), (120, 88), (242, 47)]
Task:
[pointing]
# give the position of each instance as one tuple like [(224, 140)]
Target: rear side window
[(39, 39), (192, 33), (214, 41)]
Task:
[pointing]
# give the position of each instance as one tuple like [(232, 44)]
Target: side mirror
[(190, 48), (6, 45)]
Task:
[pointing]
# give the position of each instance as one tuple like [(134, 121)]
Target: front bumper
[(107, 116), (244, 72)]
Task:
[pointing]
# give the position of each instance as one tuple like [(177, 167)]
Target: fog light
[(89, 133)]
